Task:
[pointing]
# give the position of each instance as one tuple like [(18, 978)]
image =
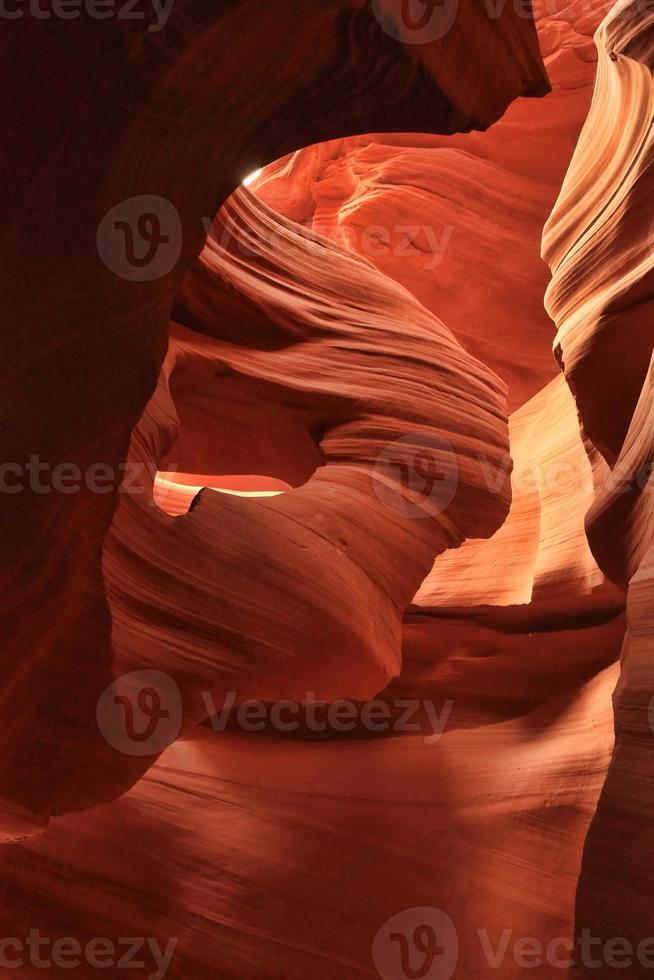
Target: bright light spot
[(253, 176), (174, 492)]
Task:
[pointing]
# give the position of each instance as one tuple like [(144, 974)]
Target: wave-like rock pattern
[(599, 244), (313, 437), (541, 551), (116, 111), (276, 856), (458, 221), (248, 589)]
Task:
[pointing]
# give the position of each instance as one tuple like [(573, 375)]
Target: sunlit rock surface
[(599, 245), (375, 454), (114, 112), (318, 393), (458, 221)]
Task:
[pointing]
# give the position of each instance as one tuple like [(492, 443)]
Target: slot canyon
[(326, 532)]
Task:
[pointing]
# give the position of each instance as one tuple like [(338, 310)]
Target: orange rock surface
[(336, 663)]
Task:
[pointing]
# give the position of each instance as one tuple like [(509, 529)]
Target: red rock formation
[(353, 480), (309, 390), (267, 856), (458, 221), (541, 550), (598, 243), (118, 112)]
